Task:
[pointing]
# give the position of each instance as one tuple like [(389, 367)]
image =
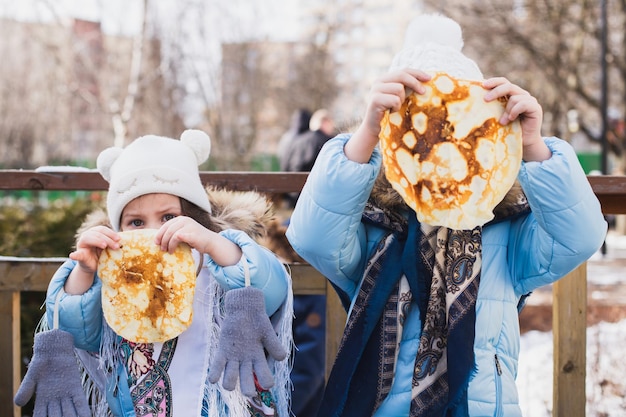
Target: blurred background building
[(80, 76)]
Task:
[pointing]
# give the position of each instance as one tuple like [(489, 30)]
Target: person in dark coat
[(299, 124), (303, 149), (301, 152)]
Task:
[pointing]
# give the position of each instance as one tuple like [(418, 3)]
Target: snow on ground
[(606, 371), (606, 361)]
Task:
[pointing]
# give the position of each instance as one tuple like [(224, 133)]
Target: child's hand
[(525, 107), (182, 229), (185, 229), (90, 245), (387, 93)]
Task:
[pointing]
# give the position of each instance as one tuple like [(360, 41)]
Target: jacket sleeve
[(566, 226), (80, 315), (266, 271), (325, 228)]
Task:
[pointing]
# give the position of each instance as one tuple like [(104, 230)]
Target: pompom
[(105, 161), (433, 43), (199, 142), (434, 28)]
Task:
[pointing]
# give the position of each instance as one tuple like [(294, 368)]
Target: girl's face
[(150, 211)]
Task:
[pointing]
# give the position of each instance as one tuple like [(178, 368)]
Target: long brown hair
[(200, 215)]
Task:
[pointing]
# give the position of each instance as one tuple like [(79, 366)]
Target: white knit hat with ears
[(155, 164), (433, 43)]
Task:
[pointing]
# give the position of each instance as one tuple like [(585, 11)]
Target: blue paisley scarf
[(439, 269)]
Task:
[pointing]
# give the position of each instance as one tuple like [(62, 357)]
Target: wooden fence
[(33, 274)]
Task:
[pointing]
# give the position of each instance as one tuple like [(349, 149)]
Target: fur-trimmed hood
[(248, 211)]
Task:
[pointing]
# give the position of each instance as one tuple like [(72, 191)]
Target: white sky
[(273, 19)]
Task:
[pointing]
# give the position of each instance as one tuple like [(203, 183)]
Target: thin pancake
[(147, 294), (448, 156)]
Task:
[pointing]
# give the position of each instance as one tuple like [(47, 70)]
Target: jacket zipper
[(498, 381)]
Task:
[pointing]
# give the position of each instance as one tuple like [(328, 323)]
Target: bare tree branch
[(121, 117)]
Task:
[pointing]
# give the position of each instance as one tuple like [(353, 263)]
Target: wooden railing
[(33, 274)]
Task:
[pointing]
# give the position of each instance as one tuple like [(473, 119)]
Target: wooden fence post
[(10, 351), (569, 325), (335, 322)]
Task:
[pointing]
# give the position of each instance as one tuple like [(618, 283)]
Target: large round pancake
[(147, 293), (446, 153)]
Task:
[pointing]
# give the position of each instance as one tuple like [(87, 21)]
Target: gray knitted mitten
[(245, 332), (54, 378)]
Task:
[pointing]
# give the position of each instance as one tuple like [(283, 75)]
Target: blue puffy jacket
[(565, 228)]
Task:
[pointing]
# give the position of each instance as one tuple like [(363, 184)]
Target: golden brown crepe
[(448, 156), (147, 293)]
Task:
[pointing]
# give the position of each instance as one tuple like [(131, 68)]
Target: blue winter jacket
[(565, 228)]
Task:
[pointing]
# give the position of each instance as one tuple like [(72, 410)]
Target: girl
[(424, 338), (154, 184)]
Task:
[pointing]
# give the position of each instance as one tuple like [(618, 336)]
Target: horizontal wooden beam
[(33, 274), (27, 274), (90, 180), (610, 189)]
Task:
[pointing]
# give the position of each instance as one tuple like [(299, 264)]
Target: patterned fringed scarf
[(440, 268), (217, 401)]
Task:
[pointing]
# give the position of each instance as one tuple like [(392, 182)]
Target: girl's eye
[(136, 223), (168, 217)]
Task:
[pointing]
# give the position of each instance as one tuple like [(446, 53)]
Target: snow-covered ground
[(606, 356)]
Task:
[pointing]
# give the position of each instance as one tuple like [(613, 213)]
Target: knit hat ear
[(199, 142), (105, 161), (433, 43), (155, 164)]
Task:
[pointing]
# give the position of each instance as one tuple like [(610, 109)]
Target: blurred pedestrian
[(299, 124), (301, 153)]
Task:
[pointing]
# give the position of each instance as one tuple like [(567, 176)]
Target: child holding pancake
[(433, 325), (241, 293)]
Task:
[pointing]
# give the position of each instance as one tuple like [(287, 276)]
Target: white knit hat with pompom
[(433, 43), (155, 164)]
